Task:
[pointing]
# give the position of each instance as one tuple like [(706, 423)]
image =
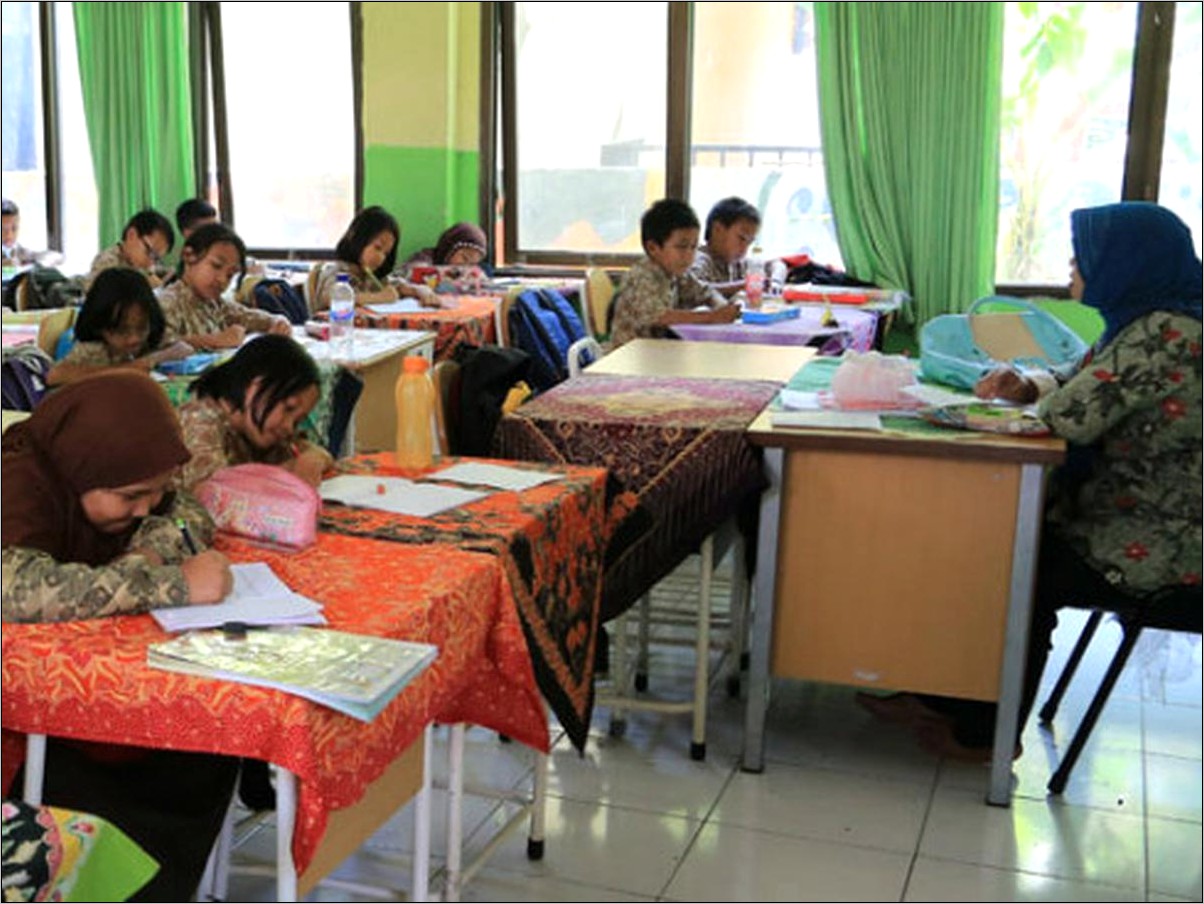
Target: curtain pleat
[(133, 66), (909, 115)]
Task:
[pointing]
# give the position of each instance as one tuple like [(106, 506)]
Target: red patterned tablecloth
[(675, 444), (550, 541), (467, 320)]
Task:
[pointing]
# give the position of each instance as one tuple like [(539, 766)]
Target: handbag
[(262, 502), (959, 349)]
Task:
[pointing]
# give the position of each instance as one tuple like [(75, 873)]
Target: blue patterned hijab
[(1135, 257)]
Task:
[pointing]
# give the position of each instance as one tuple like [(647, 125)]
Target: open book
[(356, 674)]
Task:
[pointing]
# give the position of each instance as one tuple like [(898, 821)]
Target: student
[(367, 252), (461, 245), (659, 290), (145, 241), (15, 254), (194, 213), (89, 531), (1123, 513), (120, 325), (193, 305), (731, 229), (248, 409)]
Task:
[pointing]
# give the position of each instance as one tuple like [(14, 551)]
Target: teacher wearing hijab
[(1123, 514)]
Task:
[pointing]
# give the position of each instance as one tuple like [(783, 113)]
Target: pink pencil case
[(263, 502)]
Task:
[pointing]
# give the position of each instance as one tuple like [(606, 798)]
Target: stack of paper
[(395, 494), (259, 597), (500, 476), (355, 674)]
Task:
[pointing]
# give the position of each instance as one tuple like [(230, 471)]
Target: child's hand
[(310, 465), (726, 314), (231, 337), (208, 577), (174, 352), (280, 326), (427, 297)]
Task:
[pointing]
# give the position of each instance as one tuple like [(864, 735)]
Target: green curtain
[(133, 69), (909, 103)]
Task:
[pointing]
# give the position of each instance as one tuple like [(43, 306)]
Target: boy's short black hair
[(729, 211), (111, 294), (8, 208), (193, 211), (667, 214), (148, 222)]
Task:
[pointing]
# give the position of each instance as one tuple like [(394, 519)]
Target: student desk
[(467, 320), (702, 360), (897, 561), (854, 329)]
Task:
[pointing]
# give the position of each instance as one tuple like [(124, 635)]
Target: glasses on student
[(155, 257)]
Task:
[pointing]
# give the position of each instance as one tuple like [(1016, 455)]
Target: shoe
[(900, 709), (937, 738)]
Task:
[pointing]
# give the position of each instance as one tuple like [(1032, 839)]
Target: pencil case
[(770, 315), (193, 364), (264, 503)]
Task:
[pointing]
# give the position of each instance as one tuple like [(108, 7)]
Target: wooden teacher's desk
[(897, 561)]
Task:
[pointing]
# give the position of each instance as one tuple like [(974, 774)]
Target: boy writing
[(731, 228), (145, 241), (659, 290)]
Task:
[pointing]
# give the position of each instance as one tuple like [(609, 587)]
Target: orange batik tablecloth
[(467, 320), (89, 680)]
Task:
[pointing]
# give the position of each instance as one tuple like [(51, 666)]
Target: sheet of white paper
[(827, 420), (396, 494), (401, 306), (259, 597), (794, 400), (480, 474), (938, 396)]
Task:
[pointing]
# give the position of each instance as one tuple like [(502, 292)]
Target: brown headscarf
[(108, 431)]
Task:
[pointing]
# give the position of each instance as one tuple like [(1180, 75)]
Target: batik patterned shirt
[(187, 314), (647, 293)]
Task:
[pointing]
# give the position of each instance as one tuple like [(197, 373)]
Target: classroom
[(666, 476)]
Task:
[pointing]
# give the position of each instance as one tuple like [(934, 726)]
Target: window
[(743, 141), (81, 206), (1180, 184), (24, 159), (290, 117), (589, 123)]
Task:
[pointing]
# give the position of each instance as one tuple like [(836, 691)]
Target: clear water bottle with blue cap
[(342, 318)]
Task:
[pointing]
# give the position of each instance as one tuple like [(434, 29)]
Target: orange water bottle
[(415, 397)]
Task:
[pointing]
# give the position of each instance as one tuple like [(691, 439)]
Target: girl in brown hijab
[(89, 528)]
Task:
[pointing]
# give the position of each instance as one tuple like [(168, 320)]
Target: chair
[(599, 290), (1175, 608), (311, 289), (446, 377), (589, 347), (52, 327)]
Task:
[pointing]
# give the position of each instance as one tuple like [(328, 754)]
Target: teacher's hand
[(1008, 384)]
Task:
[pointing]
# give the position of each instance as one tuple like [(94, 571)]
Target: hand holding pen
[(207, 573)]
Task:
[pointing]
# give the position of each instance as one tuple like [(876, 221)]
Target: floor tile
[(1173, 730), (1175, 858), (498, 885), (728, 863), (943, 880), (1174, 788)]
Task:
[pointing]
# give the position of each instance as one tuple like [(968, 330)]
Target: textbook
[(356, 674)]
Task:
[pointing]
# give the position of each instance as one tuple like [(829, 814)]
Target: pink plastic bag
[(873, 380), (263, 502)]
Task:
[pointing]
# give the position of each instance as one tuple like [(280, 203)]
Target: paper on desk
[(500, 476), (259, 597), (796, 400), (401, 306), (938, 396), (395, 494), (827, 420)]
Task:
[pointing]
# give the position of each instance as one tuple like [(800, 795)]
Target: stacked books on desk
[(356, 674)]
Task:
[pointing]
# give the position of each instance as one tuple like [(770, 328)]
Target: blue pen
[(187, 535)]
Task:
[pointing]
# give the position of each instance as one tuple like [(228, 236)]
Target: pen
[(187, 535)]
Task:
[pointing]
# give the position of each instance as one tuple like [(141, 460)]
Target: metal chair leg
[(1050, 709)]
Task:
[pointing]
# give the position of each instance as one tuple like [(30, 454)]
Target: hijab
[(1135, 258), (104, 432), (462, 235)]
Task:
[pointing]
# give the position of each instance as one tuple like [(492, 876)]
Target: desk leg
[(455, 810), (421, 876), (35, 769), (286, 818), (761, 614), (1015, 643)]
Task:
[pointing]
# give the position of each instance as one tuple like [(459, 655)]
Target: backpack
[(279, 296), (544, 324), (23, 377), (488, 374), (43, 287)]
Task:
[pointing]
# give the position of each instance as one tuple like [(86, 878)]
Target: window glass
[(744, 141), (24, 162), (1066, 84), (81, 206), (291, 121), (1180, 184), (590, 122)]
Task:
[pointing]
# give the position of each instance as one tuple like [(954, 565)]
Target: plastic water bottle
[(342, 318), (754, 278), (415, 398)]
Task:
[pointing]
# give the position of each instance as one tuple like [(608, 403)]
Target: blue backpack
[(544, 324), (279, 296)]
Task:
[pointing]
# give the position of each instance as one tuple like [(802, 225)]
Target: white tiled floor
[(847, 809)]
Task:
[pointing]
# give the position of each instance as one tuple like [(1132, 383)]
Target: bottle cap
[(344, 278), (414, 364)]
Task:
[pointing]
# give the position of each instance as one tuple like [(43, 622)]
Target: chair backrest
[(446, 377), (504, 316), (588, 348), (52, 327), (312, 302), (599, 290)]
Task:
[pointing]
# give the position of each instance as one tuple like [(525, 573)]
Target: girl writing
[(193, 305), (367, 252)]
